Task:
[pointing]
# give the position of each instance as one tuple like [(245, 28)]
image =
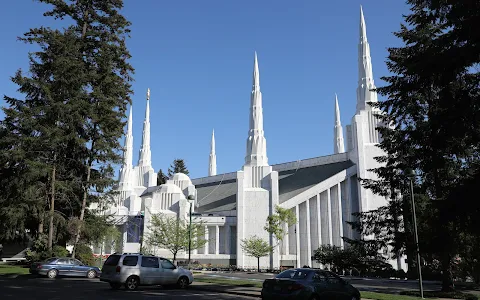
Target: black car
[(308, 284)]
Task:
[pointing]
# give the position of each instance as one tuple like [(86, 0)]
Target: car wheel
[(91, 274), (115, 285), (355, 298), (182, 282), (52, 273), (132, 283)]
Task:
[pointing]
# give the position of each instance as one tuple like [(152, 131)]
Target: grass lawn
[(381, 296), (12, 270)]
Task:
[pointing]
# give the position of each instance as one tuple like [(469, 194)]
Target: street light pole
[(190, 235), (411, 175), (191, 198)]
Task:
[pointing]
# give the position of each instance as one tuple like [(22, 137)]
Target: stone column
[(297, 236), (340, 215), (206, 238), (228, 233), (319, 221), (286, 241), (217, 239), (348, 209), (309, 239), (330, 225)]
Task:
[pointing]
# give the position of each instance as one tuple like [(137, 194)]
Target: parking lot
[(28, 287)]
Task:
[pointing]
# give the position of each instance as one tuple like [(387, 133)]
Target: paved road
[(363, 284), (78, 288)]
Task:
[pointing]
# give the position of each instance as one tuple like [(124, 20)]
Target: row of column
[(320, 221), (212, 236)]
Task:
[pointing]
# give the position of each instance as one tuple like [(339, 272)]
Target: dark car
[(308, 284), (63, 266)]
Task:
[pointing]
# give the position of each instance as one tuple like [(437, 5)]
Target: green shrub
[(84, 254), (38, 250), (59, 251)]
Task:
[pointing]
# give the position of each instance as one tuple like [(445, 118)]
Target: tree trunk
[(258, 264), (52, 205), (174, 257), (82, 211), (447, 276), (40, 223), (399, 261), (90, 160)]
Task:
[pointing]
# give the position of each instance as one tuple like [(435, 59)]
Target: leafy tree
[(256, 247), (335, 257), (173, 233), (161, 177), (178, 166), (469, 256), (277, 222)]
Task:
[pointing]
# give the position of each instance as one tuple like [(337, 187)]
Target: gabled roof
[(294, 182), (217, 196), (218, 193)]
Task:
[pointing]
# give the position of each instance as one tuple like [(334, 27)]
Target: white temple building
[(323, 191)]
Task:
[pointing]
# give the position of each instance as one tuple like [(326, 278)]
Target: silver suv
[(133, 270)]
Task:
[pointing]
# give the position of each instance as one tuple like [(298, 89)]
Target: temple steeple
[(256, 144), (365, 73), (212, 169), (339, 145), (145, 157), (127, 165)]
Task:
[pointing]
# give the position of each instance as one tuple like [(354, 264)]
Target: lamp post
[(411, 175), (190, 199)]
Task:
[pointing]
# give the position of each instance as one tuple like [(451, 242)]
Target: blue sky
[(197, 59)]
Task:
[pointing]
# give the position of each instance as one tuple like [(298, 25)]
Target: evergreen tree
[(432, 100), (100, 32), (178, 166), (39, 139), (161, 177)]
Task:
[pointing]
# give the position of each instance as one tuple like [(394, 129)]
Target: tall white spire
[(365, 73), (128, 153), (212, 169), (339, 144), (145, 157), (256, 144)]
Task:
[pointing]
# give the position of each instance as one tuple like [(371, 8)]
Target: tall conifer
[(101, 31), (432, 99)]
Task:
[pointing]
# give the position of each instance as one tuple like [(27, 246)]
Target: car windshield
[(293, 274), (50, 260)]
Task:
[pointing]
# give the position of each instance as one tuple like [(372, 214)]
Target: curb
[(206, 288)]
